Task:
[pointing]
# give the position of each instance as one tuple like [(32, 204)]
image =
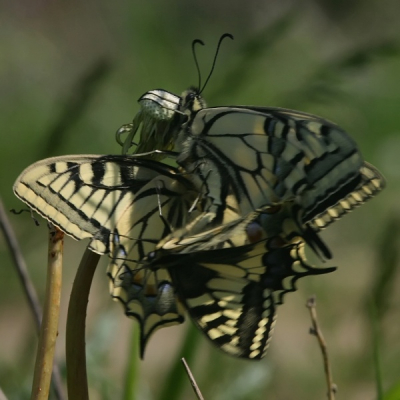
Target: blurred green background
[(70, 75)]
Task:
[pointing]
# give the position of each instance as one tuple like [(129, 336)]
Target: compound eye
[(190, 98)]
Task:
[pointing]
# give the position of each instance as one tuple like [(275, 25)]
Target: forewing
[(267, 156), (84, 195)]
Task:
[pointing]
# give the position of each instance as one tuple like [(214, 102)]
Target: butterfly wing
[(83, 195), (231, 294), (268, 157), (147, 294), (372, 182), (231, 289), (116, 199)]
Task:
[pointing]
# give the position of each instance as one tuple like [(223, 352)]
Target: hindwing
[(148, 295), (232, 293)]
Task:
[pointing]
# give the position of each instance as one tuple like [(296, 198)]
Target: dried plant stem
[(315, 330), (75, 334), (20, 265), (51, 309), (29, 289), (175, 380), (192, 380)]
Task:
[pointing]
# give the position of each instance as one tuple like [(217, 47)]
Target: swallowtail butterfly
[(222, 235)]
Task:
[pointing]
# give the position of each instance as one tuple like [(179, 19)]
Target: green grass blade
[(130, 389), (393, 393)]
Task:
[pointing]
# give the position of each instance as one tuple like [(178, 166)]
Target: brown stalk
[(316, 331), (51, 309), (192, 380), (29, 289), (75, 334)]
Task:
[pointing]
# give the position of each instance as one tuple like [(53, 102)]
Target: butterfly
[(307, 169), (125, 205), (221, 235), (297, 172)]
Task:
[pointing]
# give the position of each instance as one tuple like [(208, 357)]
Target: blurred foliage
[(75, 106), (176, 378), (70, 76), (388, 259), (393, 393)]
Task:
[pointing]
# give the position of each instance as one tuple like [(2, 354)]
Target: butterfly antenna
[(197, 41), (215, 58), (26, 210)]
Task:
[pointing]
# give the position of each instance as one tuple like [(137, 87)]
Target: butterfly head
[(192, 101)]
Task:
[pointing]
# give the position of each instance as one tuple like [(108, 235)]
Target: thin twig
[(75, 334), (51, 311), (28, 288), (311, 305), (20, 264), (175, 380), (192, 380)]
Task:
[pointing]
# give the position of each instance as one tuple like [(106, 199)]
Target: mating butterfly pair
[(222, 235)]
